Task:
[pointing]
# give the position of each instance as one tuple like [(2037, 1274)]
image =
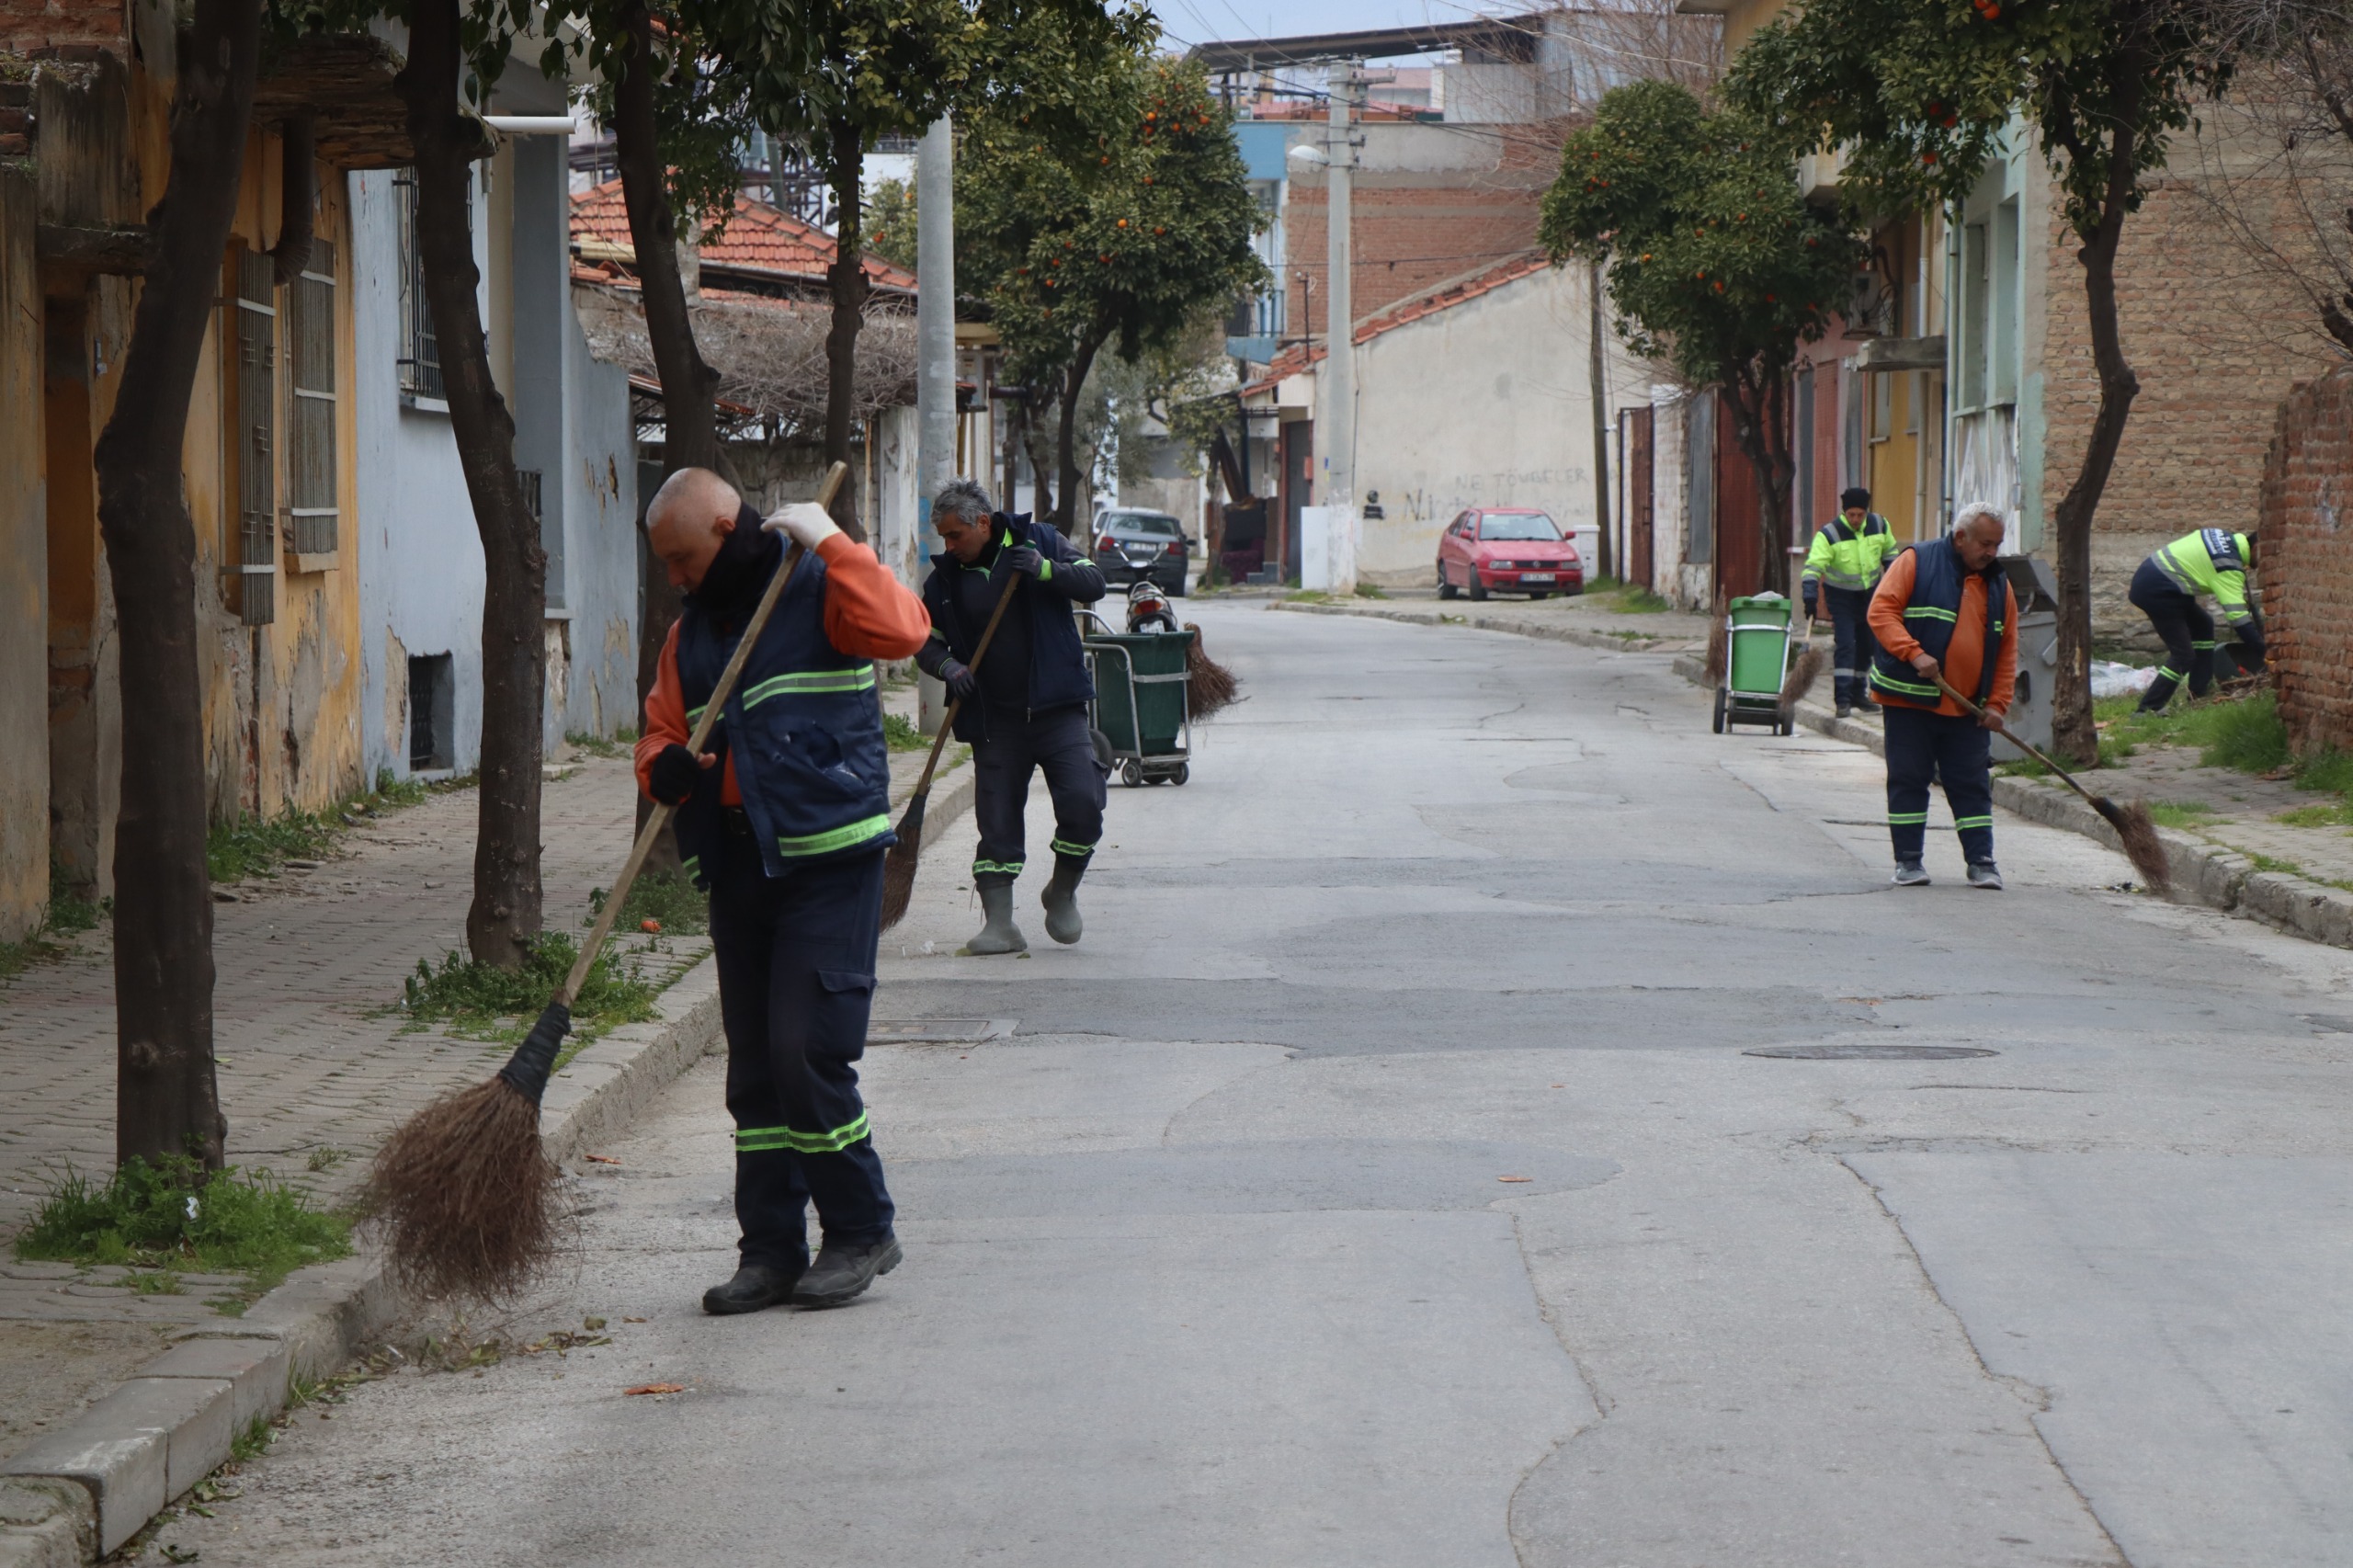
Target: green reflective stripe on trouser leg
[(691, 865), (767, 1140), (997, 867), (1907, 819), (799, 682), (839, 839), (2203, 647), (1064, 846), (1963, 824)]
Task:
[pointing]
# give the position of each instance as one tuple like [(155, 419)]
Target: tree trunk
[(505, 916), (1597, 387), (167, 1098), (1759, 430), (2072, 732), (846, 281), (1066, 474), (1041, 491)]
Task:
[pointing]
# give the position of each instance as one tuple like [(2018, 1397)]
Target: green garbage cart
[(1757, 659), (1141, 703)]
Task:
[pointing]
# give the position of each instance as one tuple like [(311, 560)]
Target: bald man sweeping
[(784, 819)]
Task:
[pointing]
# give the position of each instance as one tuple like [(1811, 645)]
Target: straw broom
[(464, 1191), (2135, 831), (899, 866), (1210, 687)]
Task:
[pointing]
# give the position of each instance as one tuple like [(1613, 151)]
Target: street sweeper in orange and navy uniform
[(785, 818)]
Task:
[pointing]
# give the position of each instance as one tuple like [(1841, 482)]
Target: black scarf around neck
[(732, 583)]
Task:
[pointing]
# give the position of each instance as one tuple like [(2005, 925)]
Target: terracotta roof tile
[(758, 238)]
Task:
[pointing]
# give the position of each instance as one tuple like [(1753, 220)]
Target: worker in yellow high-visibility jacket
[(1848, 555), (2212, 562)]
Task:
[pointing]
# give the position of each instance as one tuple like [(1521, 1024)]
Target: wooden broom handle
[(1976, 712), (948, 720), (703, 726)]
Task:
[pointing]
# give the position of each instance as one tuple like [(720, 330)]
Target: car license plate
[(1536, 576)]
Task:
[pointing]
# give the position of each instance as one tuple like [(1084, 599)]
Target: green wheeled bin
[(1140, 704), (1757, 659)]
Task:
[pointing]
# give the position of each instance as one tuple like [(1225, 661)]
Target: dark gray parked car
[(1131, 544)]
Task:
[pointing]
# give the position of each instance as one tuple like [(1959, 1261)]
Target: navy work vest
[(803, 727), (1937, 578), (1057, 658)]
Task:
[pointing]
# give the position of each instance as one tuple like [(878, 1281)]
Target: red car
[(1506, 550)]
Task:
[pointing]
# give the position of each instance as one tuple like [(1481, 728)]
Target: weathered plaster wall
[(1483, 403), (600, 529), (24, 614), (420, 558)]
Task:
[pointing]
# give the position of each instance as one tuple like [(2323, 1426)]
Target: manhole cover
[(1869, 1050), (936, 1031)]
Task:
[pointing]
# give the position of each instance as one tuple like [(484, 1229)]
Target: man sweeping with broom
[(785, 817), (1024, 710)]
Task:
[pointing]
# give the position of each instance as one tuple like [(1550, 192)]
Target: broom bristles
[(465, 1195), (899, 865), (1210, 687), (2138, 834), (1804, 670)]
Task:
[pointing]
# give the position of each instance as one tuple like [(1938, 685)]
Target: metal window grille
[(420, 362), (311, 407), (256, 331)]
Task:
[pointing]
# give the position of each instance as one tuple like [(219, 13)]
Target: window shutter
[(310, 410), (257, 330)]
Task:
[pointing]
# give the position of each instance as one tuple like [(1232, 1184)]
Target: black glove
[(961, 680), (1024, 560), (2251, 638), (674, 776), (1811, 613)]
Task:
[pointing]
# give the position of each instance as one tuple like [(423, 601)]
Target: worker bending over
[(1025, 709), (2211, 561), (785, 819), (1842, 566), (1945, 608)]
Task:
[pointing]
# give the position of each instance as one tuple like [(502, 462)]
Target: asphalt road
[(1391, 1178)]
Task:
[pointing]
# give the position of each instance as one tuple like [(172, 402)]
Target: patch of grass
[(160, 1283), (477, 1001), (668, 898), (901, 733), (2247, 735), (594, 746), (326, 1157), (2331, 772), (1370, 591), (2180, 813), (70, 915), (257, 845), (1624, 599), (252, 1442), (2328, 814), (2272, 863), (1307, 596), (169, 1216)]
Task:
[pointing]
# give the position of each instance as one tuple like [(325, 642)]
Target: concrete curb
[(80, 1491), (1478, 621)]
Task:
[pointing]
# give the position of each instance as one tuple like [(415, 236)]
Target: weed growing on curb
[(2180, 813), (478, 1001), (903, 735), (170, 1216)]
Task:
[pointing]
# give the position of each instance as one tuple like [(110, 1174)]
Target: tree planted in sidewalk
[(1110, 221), (1716, 265), (503, 918), (1920, 94), (168, 1099)]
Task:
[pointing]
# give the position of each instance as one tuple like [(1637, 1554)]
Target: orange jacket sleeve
[(665, 713), (868, 610), (1887, 608), (2005, 659)]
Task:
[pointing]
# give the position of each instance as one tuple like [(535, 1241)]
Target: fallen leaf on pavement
[(654, 1387), (1515, 1178), (601, 1159), (632, 1320)]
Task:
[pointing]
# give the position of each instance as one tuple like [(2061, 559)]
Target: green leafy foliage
[(890, 224), (481, 1002), (172, 1216)]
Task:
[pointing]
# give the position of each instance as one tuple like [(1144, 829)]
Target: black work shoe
[(1846, 710), (1911, 874), (841, 1274), (755, 1287)]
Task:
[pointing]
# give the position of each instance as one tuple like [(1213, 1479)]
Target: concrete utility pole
[(1337, 421), (935, 312)]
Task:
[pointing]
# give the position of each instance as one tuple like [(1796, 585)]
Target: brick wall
[(2215, 348), (29, 26), (2306, 569)]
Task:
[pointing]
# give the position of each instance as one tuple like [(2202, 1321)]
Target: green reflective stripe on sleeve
[(1910, 688), (997, 867), (1064, 846), (1964, 823), (839, 839), (1045, 569), (768, 1140), (1906, 819), (1930, 612), (694, 715), (805, 682)]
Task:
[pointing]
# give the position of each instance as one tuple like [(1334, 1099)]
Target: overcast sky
[(1194, 21)]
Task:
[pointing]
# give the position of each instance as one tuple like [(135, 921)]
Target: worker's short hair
[(1857, 496), (965, 498), (1972, 510)]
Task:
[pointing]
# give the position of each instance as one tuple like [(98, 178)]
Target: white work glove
[(805, 522)]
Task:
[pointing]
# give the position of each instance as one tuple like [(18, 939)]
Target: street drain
[(1869, 1050)]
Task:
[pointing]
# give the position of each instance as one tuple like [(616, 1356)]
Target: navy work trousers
[(2184, 626), (1851, 642), (1924, 745), (1053, 742), (796, 977)]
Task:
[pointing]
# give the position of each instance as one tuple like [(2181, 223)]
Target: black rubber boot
[(841, 1274), (755, 1287), (1061, 899), (998, 933), (2160, 691)]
